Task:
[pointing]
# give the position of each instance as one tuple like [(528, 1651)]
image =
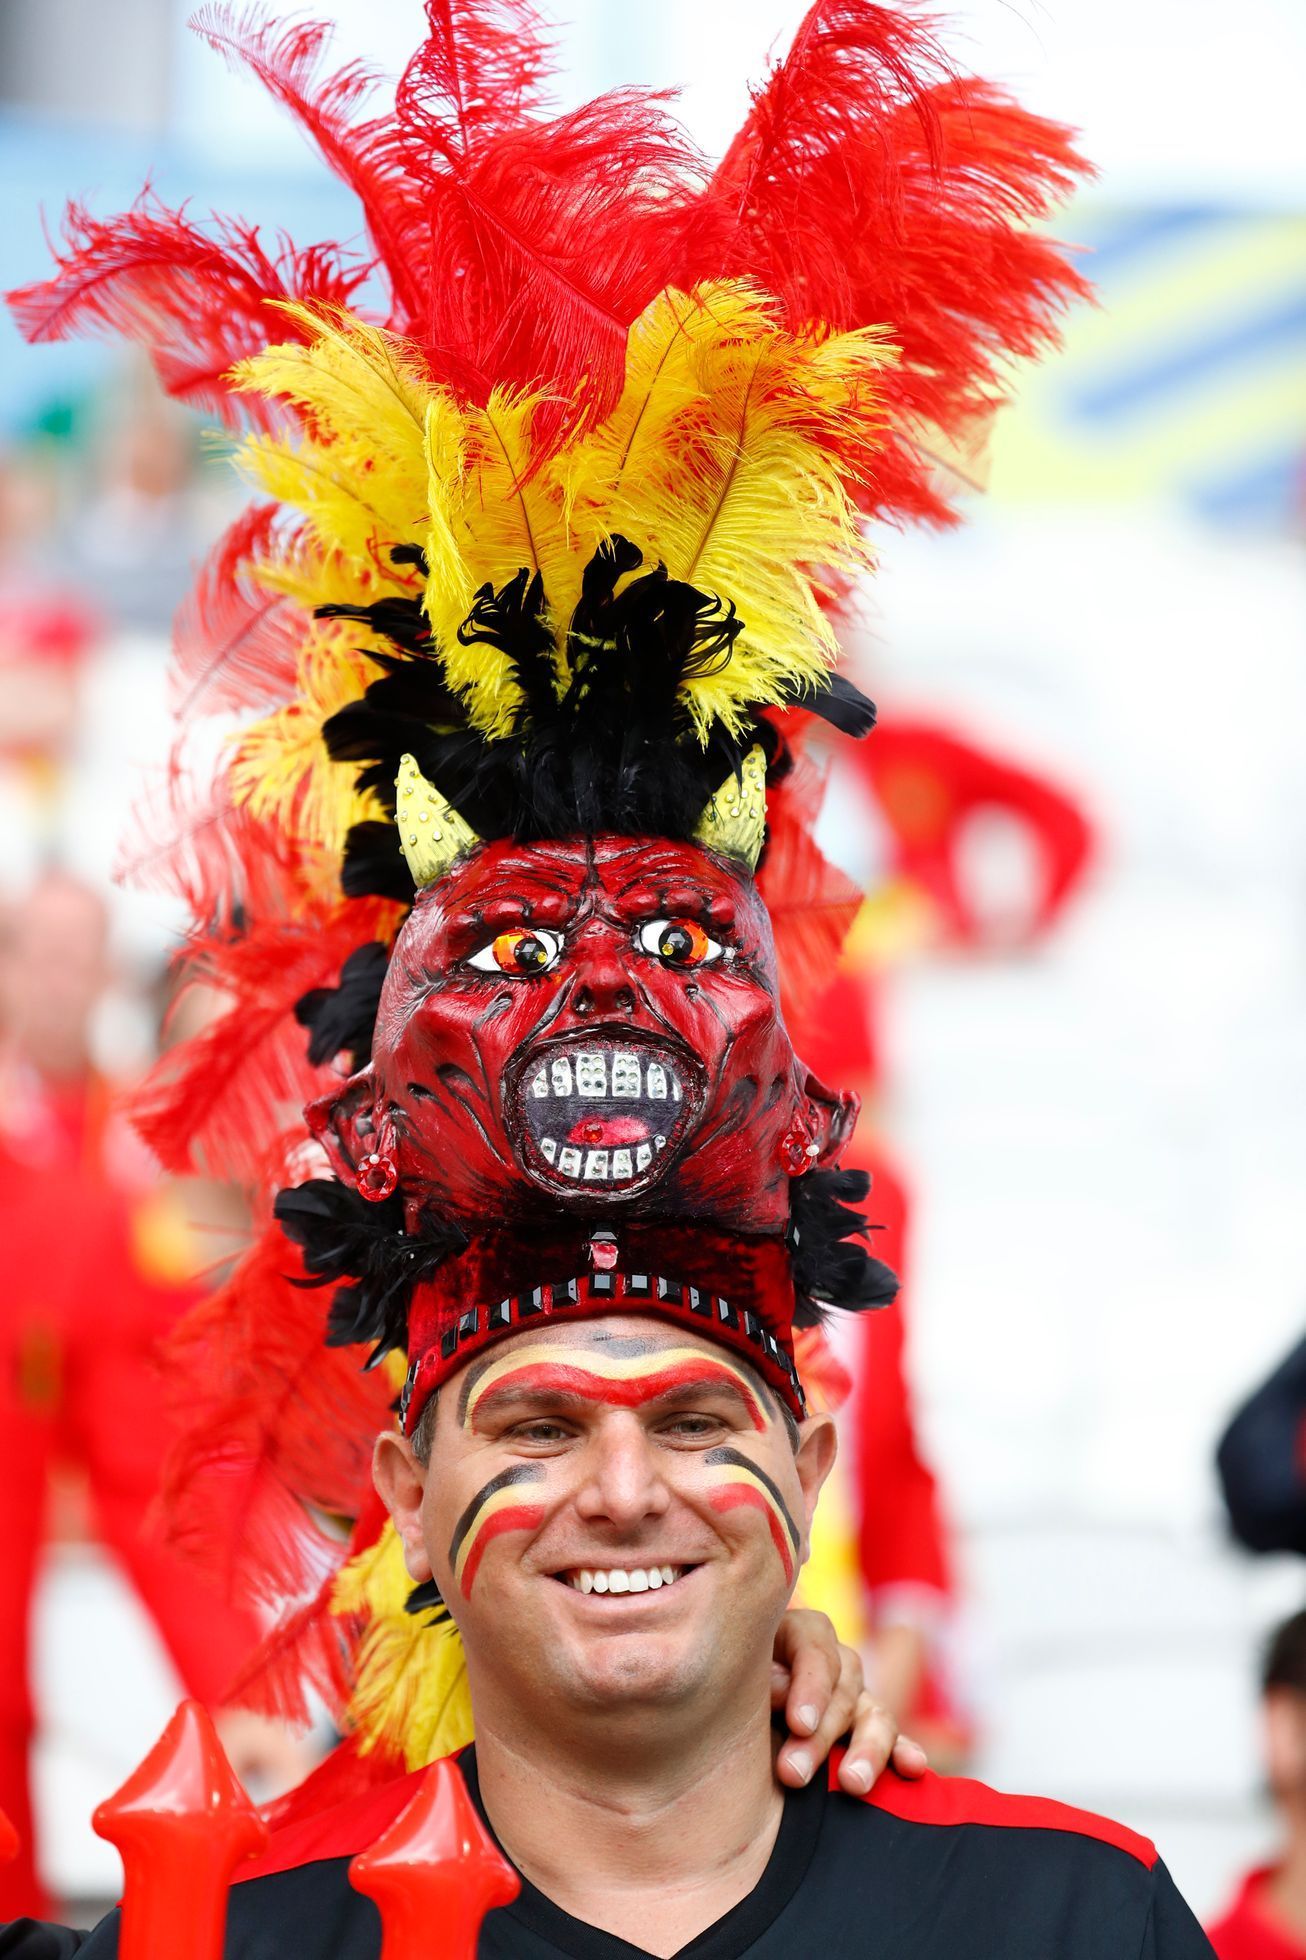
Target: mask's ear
[(831, 1117), (345, 1123)]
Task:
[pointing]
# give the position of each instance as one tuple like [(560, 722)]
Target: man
[(588, 500), (1267, 1920)]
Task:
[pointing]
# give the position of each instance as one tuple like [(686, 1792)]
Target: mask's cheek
[(745, 1498), (508, 1505)]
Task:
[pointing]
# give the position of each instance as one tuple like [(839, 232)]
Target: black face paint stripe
[(521, 1473), (738, 1461)]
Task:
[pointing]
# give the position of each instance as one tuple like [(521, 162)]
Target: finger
[(874, 1733), (820, 1682), (909, 1759)]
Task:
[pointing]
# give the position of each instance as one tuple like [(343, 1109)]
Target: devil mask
[(593, 1023)]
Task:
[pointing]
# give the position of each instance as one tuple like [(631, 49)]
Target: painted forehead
[(608, 1360)]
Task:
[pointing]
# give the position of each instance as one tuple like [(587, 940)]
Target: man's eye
[(677, 942), (538, 1432), (692, 1426), (523, 950)]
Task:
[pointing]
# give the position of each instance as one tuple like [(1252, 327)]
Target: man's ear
[(400, 1482), (345, 1123), (831, 1116), (814, 1460)]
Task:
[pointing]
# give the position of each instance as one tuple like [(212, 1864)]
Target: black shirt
[(938, 1870)]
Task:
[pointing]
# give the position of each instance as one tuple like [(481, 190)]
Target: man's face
[(615, 1514), (593, 1023)]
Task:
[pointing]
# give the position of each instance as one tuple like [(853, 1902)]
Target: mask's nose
[(603, 985)]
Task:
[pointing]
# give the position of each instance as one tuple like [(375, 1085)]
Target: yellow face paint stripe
[(626, 1381)]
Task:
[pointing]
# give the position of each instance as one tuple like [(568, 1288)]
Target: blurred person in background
[(1267, 1920), (1261, 1461), (98, 1266)]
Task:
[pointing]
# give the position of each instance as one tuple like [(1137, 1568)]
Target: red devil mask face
[(590, 1024)]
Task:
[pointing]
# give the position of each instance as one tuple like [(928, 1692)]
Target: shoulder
[(952, 1802)]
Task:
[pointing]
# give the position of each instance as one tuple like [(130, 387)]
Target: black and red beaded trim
[(711, 1313)]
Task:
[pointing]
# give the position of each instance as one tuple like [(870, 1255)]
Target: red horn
[(435, 1873), (182, 1823)]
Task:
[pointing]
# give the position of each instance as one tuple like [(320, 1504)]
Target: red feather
[(870, 185), (305, 1651), (275, 1422), (235, 642), (193, 843), (213, 1103), (197, 300), (811, 902), (364, 155)]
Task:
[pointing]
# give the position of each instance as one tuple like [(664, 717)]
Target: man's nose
[(623, 1483), (602, 985)]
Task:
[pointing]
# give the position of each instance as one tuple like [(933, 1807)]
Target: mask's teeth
[(659, 1143), (625, 1075), (560, 1070), (622, 1164), (591, 1075), (569, 1161), (657, 1082), (596, 1164), (643, 1156), (540, 1085), (549, 1149)]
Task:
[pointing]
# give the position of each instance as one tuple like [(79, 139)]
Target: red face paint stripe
[(513, 1517), (622, 1392), (732, 1495)]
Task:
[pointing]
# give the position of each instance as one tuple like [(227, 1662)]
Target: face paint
[(622, 1382), (733, 1480), (497, 1507)]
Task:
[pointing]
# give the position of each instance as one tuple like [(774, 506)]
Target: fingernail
[(800, 1763), (807, 1715), (858, 1775)]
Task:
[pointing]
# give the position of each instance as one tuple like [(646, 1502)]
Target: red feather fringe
[(198, 301), (213, 1103), (235, 642)]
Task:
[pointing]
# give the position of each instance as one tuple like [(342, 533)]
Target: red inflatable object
[(182, 1823), (435, 1873)]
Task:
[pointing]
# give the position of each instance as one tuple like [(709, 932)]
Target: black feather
[(842, 705), (347, 1237), (427, 1598), (374, 866), (829, 1268), (344, 1016)]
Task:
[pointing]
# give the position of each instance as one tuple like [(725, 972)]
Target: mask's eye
[(523, 950), (677, 942)]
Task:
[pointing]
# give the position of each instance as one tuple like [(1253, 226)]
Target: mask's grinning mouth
[(602, 1114)]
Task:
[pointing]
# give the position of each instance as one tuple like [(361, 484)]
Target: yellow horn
[(734, 821), (431, 832)]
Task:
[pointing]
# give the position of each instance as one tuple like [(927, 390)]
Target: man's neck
[(649, 1837)]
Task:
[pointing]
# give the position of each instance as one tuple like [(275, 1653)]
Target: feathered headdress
[(563, 482)]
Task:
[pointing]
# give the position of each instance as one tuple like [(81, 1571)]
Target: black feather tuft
[(842, 705), (374, 866), (347, 1237), (829, 1269), (344, 1016), (427, 1598)]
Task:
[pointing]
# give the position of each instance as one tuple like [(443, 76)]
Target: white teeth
[(657, 1082), (560, 1070), (625, 1075), (591, 1075), (549, 1148), (540, 1086), (619, 1580), (643, 1156), (569, 1162), (596, 1164), (675, 1087), (621, 1164)]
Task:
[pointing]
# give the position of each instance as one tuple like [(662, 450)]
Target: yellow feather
[(720, 462), (280, 767), (410, 1694)]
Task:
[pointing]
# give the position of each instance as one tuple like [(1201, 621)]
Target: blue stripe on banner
[(1269, 491), (1115, 240), (1149, 384)]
